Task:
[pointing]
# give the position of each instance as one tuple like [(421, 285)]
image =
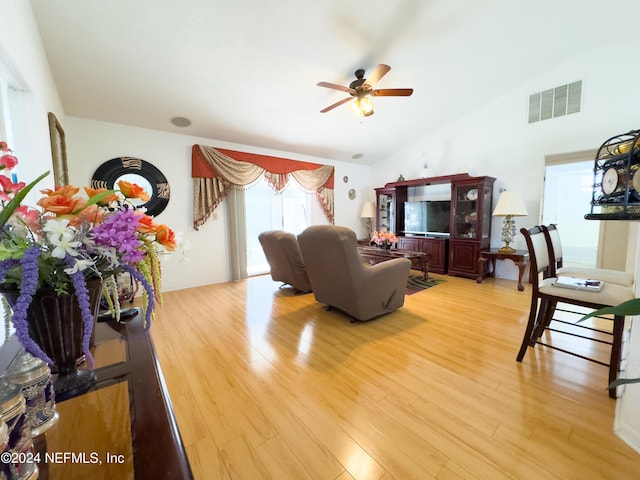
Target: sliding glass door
[(267, 210)]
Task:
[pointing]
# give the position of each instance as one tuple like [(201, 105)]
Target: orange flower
[(92, 214), (61, 204), (65, 190), (165, 236), (132, 190), (146, 224), (92, 192)]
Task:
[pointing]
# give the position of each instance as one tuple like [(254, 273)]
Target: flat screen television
[(430, 217)]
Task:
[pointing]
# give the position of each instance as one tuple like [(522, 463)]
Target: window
[(267, 210)]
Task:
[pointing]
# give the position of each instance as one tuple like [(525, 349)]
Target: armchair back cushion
[(285, 259), (340, 278)]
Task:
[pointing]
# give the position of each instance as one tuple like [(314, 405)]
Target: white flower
[(182, 246), (79, 265), (109, 254), (65, 245), (55, 227)]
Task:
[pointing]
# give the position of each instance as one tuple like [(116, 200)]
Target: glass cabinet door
[(465, 217), (486, 210), (386, 212)]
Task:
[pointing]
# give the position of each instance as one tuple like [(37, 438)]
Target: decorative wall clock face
[(135, 170), (609, 181)]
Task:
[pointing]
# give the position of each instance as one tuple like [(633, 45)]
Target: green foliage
[(630, 307), (15, 202), (622, 381)]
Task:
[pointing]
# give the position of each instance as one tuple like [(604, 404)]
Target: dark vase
[(386, 246), (56, 325)]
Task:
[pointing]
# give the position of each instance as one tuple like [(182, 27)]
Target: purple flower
[(148, 288), (82, 294), (29, 285), (119, 231), (6, 266)]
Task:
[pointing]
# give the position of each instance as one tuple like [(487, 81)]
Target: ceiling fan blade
[(335, 86), (392, 92), (337, 104), (380, 71)]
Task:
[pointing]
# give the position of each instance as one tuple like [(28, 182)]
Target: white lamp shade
[(368, 210), (510, 203)]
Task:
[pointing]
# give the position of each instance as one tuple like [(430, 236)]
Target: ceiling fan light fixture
[(362, 106), (361, 89)]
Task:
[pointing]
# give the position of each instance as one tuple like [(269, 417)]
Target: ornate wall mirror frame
[(140, 172), (58, 151)]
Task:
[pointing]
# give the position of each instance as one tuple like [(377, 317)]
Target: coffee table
[(374, 255)]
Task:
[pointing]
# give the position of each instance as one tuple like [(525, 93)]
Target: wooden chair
[(556, 267), (548, 295)]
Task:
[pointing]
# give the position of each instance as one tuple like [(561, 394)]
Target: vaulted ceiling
[(245, 71)]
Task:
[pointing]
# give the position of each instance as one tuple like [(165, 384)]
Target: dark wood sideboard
[(436, 248)]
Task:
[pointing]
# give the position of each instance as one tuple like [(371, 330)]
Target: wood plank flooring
[(266, 384)]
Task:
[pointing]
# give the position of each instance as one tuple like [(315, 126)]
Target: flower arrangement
[(70, 240), (384, 238)]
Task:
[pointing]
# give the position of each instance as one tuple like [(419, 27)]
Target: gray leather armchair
[(285, 259), (341, 279)]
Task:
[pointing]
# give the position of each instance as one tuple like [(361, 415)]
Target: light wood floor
[(268, 385)]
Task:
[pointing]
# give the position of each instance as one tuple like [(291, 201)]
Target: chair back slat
[(537, 246), (554, 246), (555, 242)]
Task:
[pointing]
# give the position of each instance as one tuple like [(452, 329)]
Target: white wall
[(23, 62), (90, 143), (497, 141), (627, 420), (494, 140)]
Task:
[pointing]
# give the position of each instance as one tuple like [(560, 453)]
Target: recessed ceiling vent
[(555, 102)]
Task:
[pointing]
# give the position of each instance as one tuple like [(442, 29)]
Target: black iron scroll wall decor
[(140, 172)]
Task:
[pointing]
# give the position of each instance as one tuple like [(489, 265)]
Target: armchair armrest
[(387, 281)]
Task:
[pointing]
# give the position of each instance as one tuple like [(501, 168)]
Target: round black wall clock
[(135, 170)]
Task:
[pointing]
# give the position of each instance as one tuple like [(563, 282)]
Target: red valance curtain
[(216, 170)]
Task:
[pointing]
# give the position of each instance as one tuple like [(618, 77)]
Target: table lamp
[(368, 211), (510, 204)]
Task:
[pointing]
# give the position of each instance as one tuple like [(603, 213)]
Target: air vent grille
[(555, 102)]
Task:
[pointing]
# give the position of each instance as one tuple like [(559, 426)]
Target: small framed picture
[(58, 151)]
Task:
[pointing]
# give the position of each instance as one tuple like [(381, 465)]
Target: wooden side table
[(520, 258)]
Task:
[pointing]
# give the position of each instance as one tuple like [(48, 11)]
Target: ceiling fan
[(361, 89)]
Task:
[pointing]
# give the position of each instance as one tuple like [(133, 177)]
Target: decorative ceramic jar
[(20, 447), (33, 376)]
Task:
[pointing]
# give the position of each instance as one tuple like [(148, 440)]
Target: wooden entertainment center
[(455, 248)]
